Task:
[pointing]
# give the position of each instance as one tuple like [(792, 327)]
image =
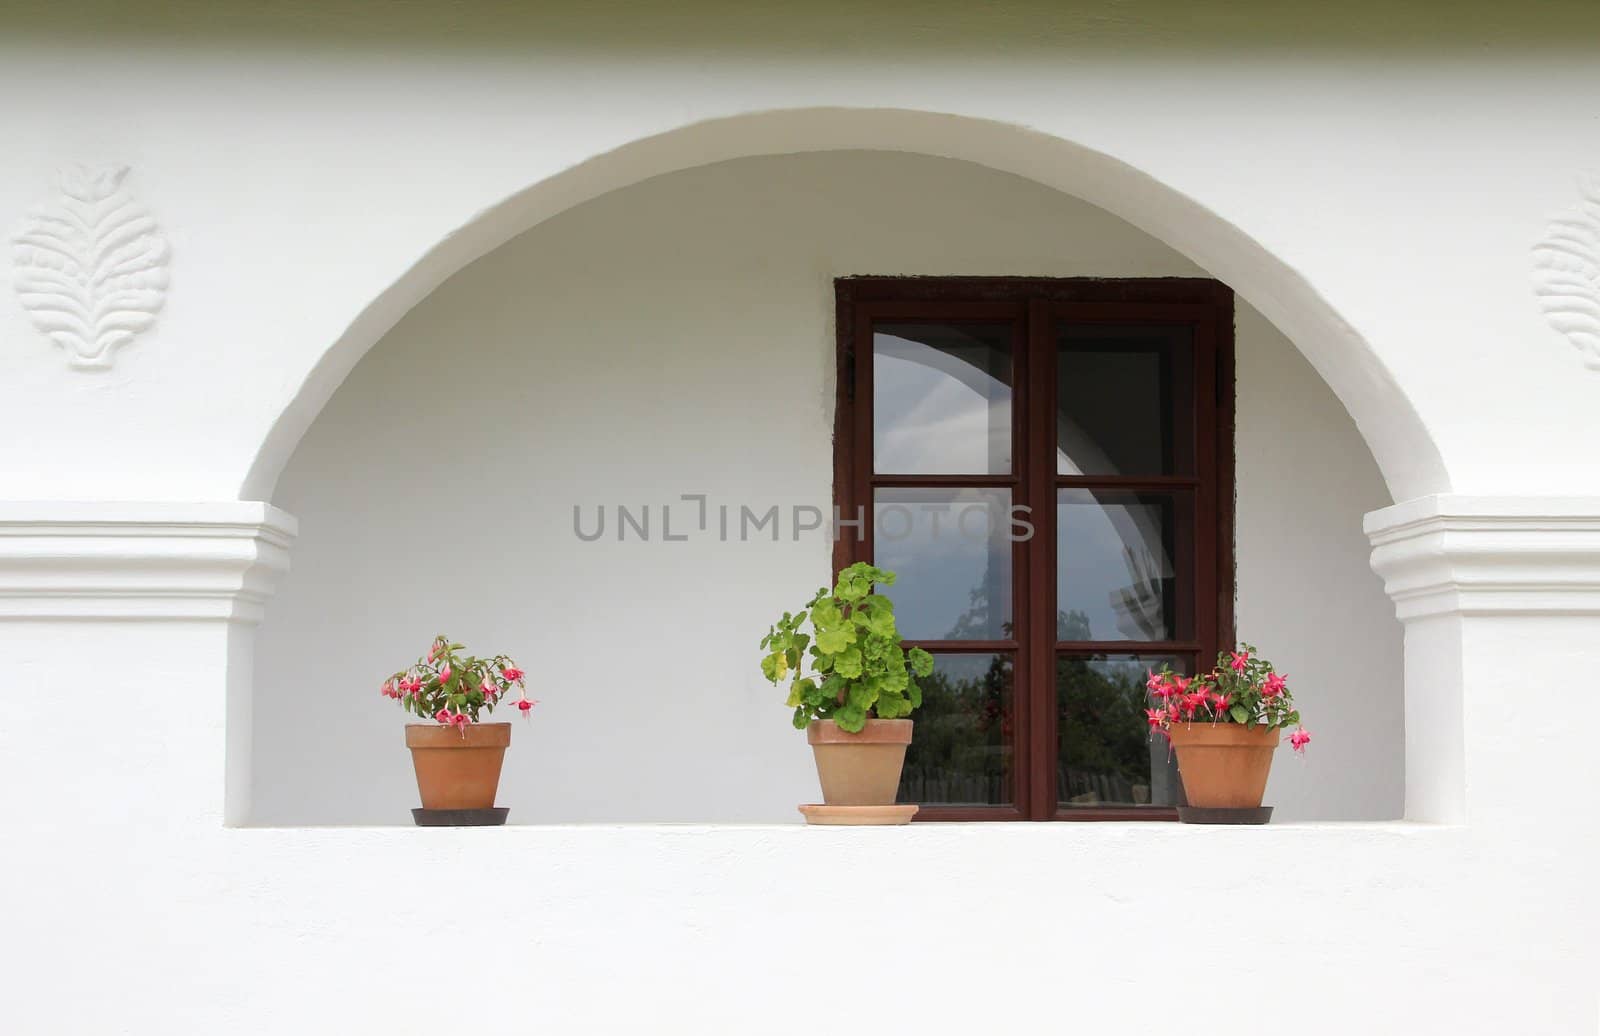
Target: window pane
[(951, 551), (1118, 563), (1107, 755), (961, 746), (1123, 402), (941, 399)]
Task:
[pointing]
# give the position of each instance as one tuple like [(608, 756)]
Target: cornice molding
[(216, 560), (1489, 555)]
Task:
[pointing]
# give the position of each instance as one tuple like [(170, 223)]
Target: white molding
[(110, 560), (1489, 555), (91, 267), (1566, 272)]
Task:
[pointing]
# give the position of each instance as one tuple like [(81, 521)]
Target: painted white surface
[(702, 922), (1378, 200), (677, 337), (1392, 245)]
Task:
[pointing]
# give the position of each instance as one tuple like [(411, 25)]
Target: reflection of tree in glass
[(1105, 741), (962, 749), (978, 622), (1073, 625)]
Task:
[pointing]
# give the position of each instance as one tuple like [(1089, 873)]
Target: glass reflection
[(941, 399), (1107, 755), (1118, 390), (962, 751), (1115, 570), (950, 551)]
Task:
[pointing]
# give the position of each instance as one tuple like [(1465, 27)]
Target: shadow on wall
[(676, 337)]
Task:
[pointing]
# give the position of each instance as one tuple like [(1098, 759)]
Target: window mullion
[(1039, 560)]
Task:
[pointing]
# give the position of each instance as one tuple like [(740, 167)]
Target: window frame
[(1035, 304)]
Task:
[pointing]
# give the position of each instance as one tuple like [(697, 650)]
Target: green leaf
[(1239, 713), (848, 664), (798, 692), (834, 641), (891, 706), (801, 720), (921, 662), (826, 614), (850, 719)]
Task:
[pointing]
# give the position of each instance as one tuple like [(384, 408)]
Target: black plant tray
[(492, 817), (1205, 815)]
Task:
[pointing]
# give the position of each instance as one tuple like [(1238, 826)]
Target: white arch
[(1405, 452)]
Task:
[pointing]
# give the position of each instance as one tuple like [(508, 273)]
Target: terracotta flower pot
[(1224, 765), (458, 768), (860, 769)]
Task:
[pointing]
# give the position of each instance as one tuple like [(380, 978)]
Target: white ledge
[(141, 560), (1489, 555), (1063, 836)]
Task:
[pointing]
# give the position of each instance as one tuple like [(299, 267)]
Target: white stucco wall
[(677, 337), (1370, 177)]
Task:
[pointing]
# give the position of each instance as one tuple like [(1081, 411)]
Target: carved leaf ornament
[(91, 267), (1566, 273)]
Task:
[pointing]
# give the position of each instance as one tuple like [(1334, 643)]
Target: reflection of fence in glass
[(1107, 753), (962, 752)]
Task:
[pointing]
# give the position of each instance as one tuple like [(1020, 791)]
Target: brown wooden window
[(1099, 413)]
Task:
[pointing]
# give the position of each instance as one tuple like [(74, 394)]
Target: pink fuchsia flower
[(513, 674), (1219, 702), (444, 675), (1192, 702), (488, 688), (1300, 739), (1156, 683), (387, 690), (526, 705), (1240, 659), (1273, 686), (1155, 717), (411, 686), (462, 720), (1181, 683), (443, 716)]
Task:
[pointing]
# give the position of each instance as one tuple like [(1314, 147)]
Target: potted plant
[(456, 757), (1224, 726), (851, 687)]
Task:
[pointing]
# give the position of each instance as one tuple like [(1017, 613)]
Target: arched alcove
[(1403, 447), (674, 337)]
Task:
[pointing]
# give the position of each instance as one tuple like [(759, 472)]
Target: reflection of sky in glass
[(1113, 566), (938, 409), (953, 583)]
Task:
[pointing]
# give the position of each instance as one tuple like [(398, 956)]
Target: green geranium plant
[(851, 667)]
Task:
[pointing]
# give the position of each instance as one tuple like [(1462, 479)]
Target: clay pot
[(861, 769), (1224, 765), (458, 768)]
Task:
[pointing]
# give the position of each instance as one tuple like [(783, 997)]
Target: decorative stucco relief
[(1567, 272), (91, 267)]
